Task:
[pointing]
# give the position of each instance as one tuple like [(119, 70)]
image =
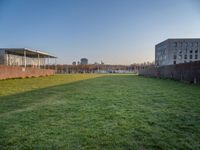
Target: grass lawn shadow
[(109, 112)]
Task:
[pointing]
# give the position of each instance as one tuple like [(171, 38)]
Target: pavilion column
[(25, 59), (48, 62), (38, 60), (7, 59), (44, 62), (55, 64)]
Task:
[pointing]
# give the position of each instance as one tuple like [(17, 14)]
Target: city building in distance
[(74, 63), (84, 61), (176, 51)]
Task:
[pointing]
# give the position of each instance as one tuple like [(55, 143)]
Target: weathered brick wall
[(20, 72), (186, 72)]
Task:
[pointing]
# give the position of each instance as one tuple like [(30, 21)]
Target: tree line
[(100, 68)]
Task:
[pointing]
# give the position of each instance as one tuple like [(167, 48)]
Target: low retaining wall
[(21, 72), (185, 72)]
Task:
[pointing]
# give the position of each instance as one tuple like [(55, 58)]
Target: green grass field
[(99, 112)]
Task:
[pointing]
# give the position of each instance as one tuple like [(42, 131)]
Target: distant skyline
[(112, 31)]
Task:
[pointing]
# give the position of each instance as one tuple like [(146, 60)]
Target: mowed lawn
[(99, 112)]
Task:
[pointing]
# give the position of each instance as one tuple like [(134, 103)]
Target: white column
[(25, 59), (38, 60), (48, 63), (7, 59), (55, 64)]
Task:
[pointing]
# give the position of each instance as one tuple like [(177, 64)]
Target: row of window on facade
[(185, 57), (186, 44), (191, 54)]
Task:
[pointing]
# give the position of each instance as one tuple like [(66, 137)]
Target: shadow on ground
[(111, 112)]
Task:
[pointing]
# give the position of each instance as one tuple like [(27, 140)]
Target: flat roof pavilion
[(24, 57), (29, 52)]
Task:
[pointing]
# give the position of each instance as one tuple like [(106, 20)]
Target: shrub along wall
[(185, 72), (21, 72)]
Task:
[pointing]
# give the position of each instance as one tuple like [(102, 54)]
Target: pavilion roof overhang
[(29, 52)]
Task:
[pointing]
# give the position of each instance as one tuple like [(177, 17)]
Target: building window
[(174, 62), (190, 56), (174, 56), (196, 56), (196, 51), (185, 56)]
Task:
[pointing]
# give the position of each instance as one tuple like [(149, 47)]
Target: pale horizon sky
[(112, 31)]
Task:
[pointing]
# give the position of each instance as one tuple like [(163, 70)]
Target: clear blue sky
[(115, 31)]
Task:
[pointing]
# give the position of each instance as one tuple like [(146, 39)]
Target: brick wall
[(185, 72), (20, 72)]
